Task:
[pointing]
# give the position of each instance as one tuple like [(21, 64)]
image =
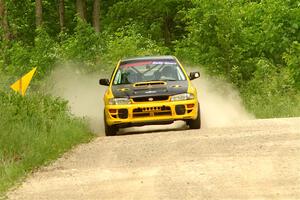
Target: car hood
[(158, 88)]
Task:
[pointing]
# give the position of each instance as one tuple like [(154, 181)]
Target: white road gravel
[(256, 159)]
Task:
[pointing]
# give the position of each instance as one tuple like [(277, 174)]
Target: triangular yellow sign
[(22, 84)]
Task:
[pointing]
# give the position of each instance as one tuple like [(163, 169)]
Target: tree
[(96, 15), (167, 25), (38, 13), (161, 20), (61, 11), (3, 20), (81, 9)]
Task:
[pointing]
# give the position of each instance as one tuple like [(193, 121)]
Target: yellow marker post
[(22, 84)]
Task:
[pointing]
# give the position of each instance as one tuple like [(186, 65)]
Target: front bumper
[(139, 114)]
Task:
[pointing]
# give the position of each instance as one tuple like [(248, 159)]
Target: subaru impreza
[(148, 91)]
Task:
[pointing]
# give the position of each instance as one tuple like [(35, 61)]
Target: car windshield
[(145, 71)]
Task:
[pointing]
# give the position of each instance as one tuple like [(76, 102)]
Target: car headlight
[(182, 97), (119, 101)]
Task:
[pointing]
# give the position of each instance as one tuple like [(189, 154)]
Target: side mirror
[(104, 82), (194, 75)]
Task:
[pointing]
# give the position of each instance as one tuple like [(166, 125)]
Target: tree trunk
[(96, 15), (38, 13), (167, 30), (61, 10), (81, 9), (3, 20), (84, 9)]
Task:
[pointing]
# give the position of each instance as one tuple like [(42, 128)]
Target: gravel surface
[(256, 159)]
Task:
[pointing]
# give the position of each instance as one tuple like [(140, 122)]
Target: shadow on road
[(176, 126)]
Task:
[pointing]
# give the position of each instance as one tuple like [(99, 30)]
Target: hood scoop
[(149, 84), (147, 88)]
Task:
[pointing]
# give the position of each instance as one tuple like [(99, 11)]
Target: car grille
[(150, 99), (152, 111)]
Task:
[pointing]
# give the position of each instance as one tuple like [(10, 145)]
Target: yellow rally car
[(147, 91)]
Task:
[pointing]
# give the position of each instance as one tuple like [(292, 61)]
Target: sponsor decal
[(164, 63), (135, 64)]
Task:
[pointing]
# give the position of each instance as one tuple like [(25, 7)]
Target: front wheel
[(195, 123), (109, 130)]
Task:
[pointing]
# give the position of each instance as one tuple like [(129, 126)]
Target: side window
[(117, 78), (180, 74)]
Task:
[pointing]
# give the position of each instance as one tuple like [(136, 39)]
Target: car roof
[(144, 58)]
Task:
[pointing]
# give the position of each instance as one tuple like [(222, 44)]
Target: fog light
[(123, 113), (180, 109)]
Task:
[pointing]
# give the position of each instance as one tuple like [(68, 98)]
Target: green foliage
[(126, 42), (226, 34), (272, 92), (21, 19), (17, 60), (44, 53), (159, 20), (105, 49), (34, 130), (20, 58), (255, 45), (84, 45), (292, 59)]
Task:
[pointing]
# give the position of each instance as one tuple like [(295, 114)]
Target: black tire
[(195, 123), (109, 130)]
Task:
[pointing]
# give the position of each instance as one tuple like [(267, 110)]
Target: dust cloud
[(220, 103), (83, 92)]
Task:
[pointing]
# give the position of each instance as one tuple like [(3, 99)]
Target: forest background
[(252, 44)]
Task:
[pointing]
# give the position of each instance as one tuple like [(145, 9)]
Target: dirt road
[(257, 159)]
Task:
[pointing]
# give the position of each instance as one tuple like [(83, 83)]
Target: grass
[(37, 129), (33, 131), (272, 105)]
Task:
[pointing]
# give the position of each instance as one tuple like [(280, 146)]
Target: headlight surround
[(182, 97), (119, 101)]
